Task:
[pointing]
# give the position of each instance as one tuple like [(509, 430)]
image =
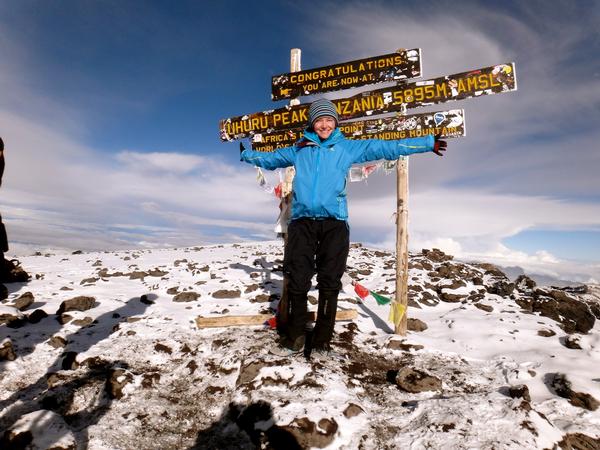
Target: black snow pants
[(314, 246)]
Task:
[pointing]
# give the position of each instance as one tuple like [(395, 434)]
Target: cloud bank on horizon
[(78, 180)]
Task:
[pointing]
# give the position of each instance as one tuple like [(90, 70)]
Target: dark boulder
[(415, 381), (80, 303)]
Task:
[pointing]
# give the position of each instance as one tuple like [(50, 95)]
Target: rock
[(64, 318), (491, 269), (147, 301), (436, 255), (251, 288), (595, 309), (415, 381), (150, 379), (486, 308), (10, 316), (157, 273), (416, 325), (573, 342), (192, 366), (24, 301), (546, 333), (502, 288), (137, 275), (402, 345), (353, 410), (524, 283), (163, 348), (224, 293), (261, 298), (69, 361), (36, 316), (189, 296), (172, 290), (562, 387), (7, 352), (475, 297), (54, 379), (428, 299), (308, 434), (520, 391), (579, 441), (40, 429), (574, 316), (477, 281), (13, 272), (450, 297), (118, 378), (57, 342), (249, 372), (312, 299), (80, 303), (3, 292), (451, 272), (83, 322), (412, 300), (452, 284), (91, 280)]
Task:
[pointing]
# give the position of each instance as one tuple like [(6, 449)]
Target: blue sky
[(110, 113)]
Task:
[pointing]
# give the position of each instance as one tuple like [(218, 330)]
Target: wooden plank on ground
[(260, 319)]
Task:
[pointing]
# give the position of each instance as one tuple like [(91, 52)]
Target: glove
[(439, 145), (242, 148)]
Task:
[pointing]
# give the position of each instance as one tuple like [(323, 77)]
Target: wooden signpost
[(447, 123), (397, 66), (475, 83), (277, 128)]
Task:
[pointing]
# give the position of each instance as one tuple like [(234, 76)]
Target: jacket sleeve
[(374, 149), (283, 157)]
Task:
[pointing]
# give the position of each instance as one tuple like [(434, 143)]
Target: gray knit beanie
[(322, 107)]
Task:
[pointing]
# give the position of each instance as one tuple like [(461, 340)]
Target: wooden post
[(402, 241), (283, 308)]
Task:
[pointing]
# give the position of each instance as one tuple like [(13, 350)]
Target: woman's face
[(324, 126)]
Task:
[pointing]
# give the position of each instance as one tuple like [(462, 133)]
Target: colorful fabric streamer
[(397, 311), (363, 293)]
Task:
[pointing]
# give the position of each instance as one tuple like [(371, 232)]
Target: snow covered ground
[(488, 363)]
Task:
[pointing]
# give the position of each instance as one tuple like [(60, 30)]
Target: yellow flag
[(397, 310)]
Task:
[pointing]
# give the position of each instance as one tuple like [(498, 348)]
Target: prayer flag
[(397, 310)]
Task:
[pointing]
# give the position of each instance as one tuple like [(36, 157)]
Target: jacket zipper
[(314, 187)]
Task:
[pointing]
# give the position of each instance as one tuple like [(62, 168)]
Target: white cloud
[(160, 161), (59, 193), (471, 225)]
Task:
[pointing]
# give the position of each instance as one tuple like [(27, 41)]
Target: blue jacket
[(321, 167)]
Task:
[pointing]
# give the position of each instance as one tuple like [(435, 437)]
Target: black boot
[(295, 328), (323, 331)]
